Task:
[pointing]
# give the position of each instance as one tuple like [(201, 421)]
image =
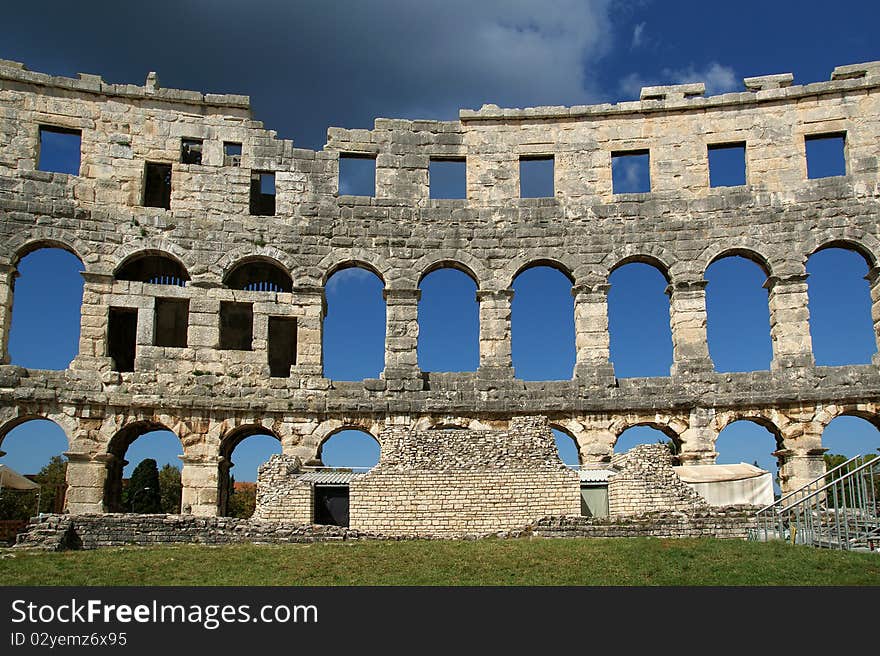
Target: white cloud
[(638, 34), (717, 77)]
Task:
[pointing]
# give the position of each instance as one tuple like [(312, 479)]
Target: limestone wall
[(455, 482), (280, 496)]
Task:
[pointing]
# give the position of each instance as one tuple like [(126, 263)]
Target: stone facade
[(646, 482), (212, 397), (280, 495)]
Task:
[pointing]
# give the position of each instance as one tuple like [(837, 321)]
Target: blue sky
[(307, 66)]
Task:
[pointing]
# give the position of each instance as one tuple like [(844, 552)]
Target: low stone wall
[(451, 483), (62, 532), (646, 483), (732, 522)]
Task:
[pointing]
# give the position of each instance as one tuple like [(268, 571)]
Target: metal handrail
[(815, 480)]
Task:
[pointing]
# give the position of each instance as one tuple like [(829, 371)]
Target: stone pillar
[(200, 485), (873, 279), (495, 353), (687, 319), (790, 322), (8, 274), (401, 333), (698, 440), (591, 336), (798, 467), (310, 331), (86, 477), (94, 313), (595, 447)]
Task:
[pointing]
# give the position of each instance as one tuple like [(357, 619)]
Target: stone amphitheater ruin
[(203, 298)]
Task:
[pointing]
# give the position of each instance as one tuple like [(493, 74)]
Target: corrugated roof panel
[(595, 475), (330, 477)]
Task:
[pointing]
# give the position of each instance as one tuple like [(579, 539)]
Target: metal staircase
[(838, 510)]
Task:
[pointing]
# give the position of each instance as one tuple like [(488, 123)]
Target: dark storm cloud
[(308, 65)]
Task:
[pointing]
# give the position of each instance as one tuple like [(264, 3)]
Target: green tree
[(170, 489), (53, 484), (144, 493), (243, 500)]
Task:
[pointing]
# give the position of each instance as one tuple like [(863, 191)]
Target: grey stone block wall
[(206, 395)]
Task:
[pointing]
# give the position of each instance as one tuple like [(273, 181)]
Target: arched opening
[(34, 448), (542, 324), (647, 434), (259, 275), (143, 474), (153, 268), (738, 315), (354, 325), (350, 448), (841, 328), (638, 321), (753, 442), (46, 310), (245, 449), (567, 447), (849, 436), (449, 322)]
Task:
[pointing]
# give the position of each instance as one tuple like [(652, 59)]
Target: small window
[(157, 185), (59, 150), (171, 322), (357, 175), (262, 193), (122, 337), (282, 346), (727, 165), (231, 153), (447, 178), (236, 326), (825, 155), (536, 177), (631, 172), (190, 151)]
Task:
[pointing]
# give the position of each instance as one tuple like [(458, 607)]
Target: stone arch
[(341, 259), (746, 248), (242, 254), (557, 426), (725, 419), (867, 411), (165, 247), (276, 273), (672, 427), (117, 447), (655, 256), (17, 417), (28, 241), (457, 260), (228, 443), (166, 263), (521, 265), (330, 427), (866, 245)]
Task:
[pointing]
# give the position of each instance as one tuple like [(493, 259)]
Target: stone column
[(309, 331), (200, 485), (873, 279), (86, 477), (592, 340), (595, 447), (790, 322), (798, 467), (687, 319), (94, 313), (495, 352), (698, 440), (401, 333), (8, 274)]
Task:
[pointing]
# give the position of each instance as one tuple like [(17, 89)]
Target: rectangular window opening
[(536, 176), (60, 150), (631, 172), (357, 175), (236, 326), (171, 322), (825, 154), (231, 153), (191, 151), (157, 185), (332, 505), (262, 193), (122, 337), (282, 346), (727, 164), (447, 178)]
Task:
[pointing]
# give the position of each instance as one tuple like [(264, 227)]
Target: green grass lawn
[(636, 561)]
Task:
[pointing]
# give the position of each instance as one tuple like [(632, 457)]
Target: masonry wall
[(280, 496), (205, 394), (457, 482)]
